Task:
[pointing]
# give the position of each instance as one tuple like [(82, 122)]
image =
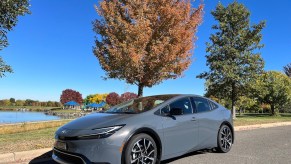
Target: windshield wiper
[(128, 112), (119, 112)]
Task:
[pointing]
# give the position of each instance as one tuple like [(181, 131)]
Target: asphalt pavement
[(260, 146)]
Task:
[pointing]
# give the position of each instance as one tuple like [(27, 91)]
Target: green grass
[(24, 127), (252, 119), (28, 136), (29, 140)]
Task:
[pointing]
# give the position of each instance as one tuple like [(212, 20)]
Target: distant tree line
[(29, 102), (95, 98), (114, 99), (111, 98)]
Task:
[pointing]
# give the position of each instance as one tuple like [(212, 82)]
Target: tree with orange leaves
[(145, 41)]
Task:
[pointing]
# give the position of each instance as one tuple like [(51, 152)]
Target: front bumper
[(63, 157), (89, 151), (67, 158)]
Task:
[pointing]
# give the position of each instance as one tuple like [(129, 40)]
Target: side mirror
[(176, 111)]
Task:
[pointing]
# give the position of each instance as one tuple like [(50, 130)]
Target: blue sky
[(51, 50)]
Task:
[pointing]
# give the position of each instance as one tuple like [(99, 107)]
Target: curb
[(22, 156), (29, 155), (259, 126)]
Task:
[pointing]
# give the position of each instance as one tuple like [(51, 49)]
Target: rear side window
[(213, 105), (201, 104)]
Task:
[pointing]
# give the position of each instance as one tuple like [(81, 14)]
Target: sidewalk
[(20, 157), (41, 155), (258, 126)]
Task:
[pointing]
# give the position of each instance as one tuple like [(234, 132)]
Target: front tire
[(224, 139), (141, 149)]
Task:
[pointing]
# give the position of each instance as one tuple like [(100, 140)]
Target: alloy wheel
[(225, 138), (143, 152)]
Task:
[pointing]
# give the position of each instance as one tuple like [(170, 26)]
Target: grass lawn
[(29, 136), (252, 119), (29, 140), (26, 127)]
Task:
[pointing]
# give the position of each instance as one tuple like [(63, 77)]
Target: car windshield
[(139, 105)]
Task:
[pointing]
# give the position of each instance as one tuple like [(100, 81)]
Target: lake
[(18, 117)]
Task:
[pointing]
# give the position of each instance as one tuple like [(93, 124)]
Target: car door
[(209, 121), (180, 131)]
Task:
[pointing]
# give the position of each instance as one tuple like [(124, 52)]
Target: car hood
[(95, 120), (86, 125)]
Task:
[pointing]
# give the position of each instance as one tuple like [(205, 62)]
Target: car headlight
[(101, 132)]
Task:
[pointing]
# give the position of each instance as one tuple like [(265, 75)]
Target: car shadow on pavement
[(46, 157), (204, 151), (43, 159)]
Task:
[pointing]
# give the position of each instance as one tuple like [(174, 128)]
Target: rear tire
[(141, 148), (224, 139)]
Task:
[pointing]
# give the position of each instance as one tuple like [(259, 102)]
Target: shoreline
[(33, 122), (57, 116), (28, 108)]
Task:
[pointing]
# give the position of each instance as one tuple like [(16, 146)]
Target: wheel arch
[(149, 132), (231, 128)]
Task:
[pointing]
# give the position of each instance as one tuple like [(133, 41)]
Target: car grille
[(68, 157)]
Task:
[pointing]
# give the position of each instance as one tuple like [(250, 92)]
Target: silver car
[(146, 130)]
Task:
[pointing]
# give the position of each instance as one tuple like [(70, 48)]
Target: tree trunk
[(233, 111), (273, 110), (140, 90), (233, 99)]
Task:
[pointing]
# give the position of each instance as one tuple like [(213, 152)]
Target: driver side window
[(165, 110), (183, 104)]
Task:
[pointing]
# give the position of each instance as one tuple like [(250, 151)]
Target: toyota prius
[(146, 130)]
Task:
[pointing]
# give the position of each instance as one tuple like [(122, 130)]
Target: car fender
[(146, 130)]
